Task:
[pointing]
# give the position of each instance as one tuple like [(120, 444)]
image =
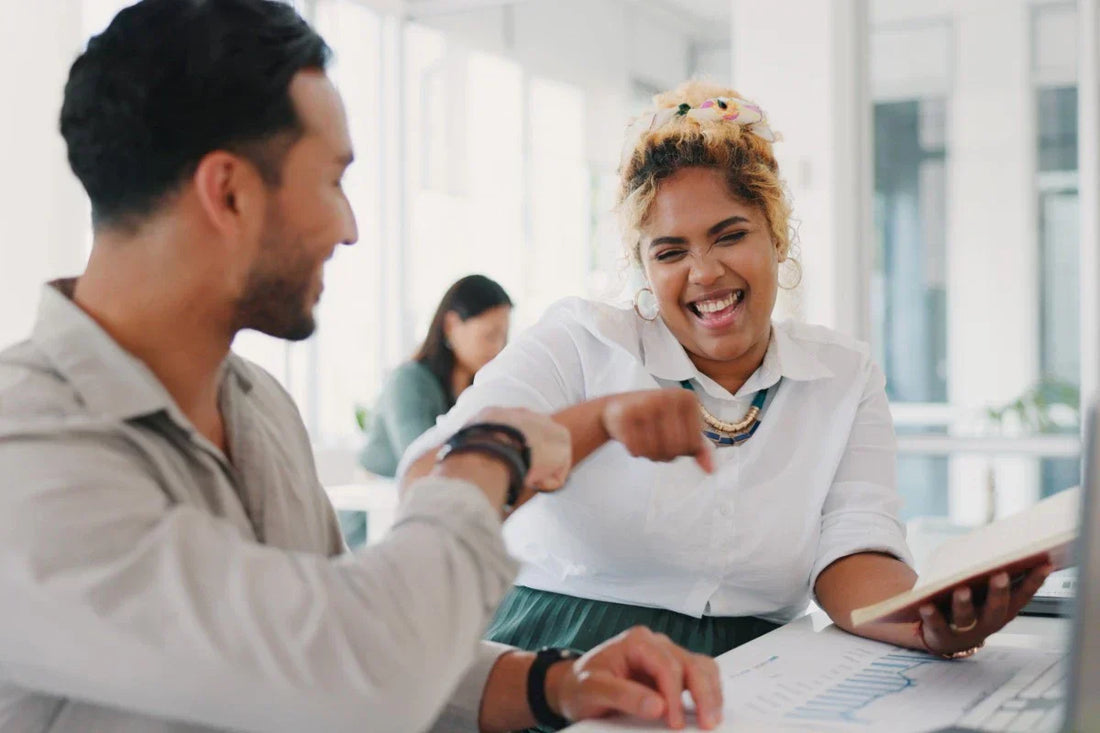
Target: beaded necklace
[(721, 432)]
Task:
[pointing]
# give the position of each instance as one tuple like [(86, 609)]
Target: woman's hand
[(658, 424), (550, 444), (969, 626)]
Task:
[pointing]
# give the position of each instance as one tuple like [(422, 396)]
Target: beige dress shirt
[(148, 583)]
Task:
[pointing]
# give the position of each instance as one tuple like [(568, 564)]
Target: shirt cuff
[(856, 532), (463, 710), (462, 509), (450, 501)]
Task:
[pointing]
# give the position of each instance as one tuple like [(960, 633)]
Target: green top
[(411, 400)]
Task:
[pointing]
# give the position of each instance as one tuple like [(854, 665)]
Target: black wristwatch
[(499, 441), (536, 686)]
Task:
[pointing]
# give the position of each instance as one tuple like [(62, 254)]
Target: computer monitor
[(1083, 701)]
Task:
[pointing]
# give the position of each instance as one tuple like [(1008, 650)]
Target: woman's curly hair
[(746, 160)]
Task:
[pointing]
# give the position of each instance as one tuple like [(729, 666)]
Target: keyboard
[(1031, 702), (1055, 598)]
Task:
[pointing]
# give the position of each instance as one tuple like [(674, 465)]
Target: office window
[(909, 289), (559, 197), (1057, 183), (974, 288), (345, 349), (500, 185), (922, 481), (350, 314), (465, 138), (1059, 253)]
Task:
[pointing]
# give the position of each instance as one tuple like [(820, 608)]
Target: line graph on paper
[(833, 681), (842, 702)]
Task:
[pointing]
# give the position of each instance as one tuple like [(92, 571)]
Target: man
[(168, 560)]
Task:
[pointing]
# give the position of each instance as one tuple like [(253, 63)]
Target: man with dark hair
[(168, 559)]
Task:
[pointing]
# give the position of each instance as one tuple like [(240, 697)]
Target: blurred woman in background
[(469, 328)]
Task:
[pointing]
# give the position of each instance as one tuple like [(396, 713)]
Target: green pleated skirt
[(530, 619)]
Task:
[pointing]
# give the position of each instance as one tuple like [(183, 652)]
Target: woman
[(469, 328), (712, 545)]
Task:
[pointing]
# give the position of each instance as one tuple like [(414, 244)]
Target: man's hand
[(659, 424), (550, 444), (637, 673)]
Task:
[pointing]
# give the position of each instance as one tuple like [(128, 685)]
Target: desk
[(376, 496), (815, 636)]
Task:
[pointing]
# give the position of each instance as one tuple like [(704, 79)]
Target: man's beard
[(275, 296)]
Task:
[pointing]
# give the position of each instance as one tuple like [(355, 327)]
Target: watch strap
[(502, 442), (536, 686)]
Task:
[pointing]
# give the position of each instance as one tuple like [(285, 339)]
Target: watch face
[(559, 652)]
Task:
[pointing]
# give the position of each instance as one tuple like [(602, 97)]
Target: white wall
[(1088, 117), (793, 58), (597, 46), (600, 48), (43, 214), (992, 282), (980, 55)]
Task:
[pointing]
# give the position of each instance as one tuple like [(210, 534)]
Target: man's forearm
[(504, 702), (487, 473), (584, 421)]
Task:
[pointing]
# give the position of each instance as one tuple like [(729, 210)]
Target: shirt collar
[(108, 379), (789, 358), (665, 358)]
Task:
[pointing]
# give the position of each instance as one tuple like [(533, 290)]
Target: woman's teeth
[(704, 307)]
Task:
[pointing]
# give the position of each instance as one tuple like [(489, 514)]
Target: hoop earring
[(637, 306)]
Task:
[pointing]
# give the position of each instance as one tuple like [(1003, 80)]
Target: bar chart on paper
[(833, 681)]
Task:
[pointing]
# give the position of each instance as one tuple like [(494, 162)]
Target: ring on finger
[(964, 653), (962, 629)]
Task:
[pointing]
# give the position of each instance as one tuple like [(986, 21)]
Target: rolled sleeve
[(463, 710), (459, 509), (860, 513)]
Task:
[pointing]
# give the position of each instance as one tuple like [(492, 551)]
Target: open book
[(1015, 544)]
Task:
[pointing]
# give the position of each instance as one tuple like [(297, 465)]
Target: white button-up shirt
[(815, 483)]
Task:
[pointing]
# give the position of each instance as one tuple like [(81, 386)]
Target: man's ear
[(229, 190)]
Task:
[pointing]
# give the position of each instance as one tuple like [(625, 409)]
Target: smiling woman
[(725, 466), (714, 274)]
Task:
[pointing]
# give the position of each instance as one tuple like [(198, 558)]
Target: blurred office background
[(942, 157)]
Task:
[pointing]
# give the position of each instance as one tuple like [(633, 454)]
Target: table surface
[(1024, 632), (374, 493), (380, 496)]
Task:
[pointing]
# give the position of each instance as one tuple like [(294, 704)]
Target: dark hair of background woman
[(469, 297)]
